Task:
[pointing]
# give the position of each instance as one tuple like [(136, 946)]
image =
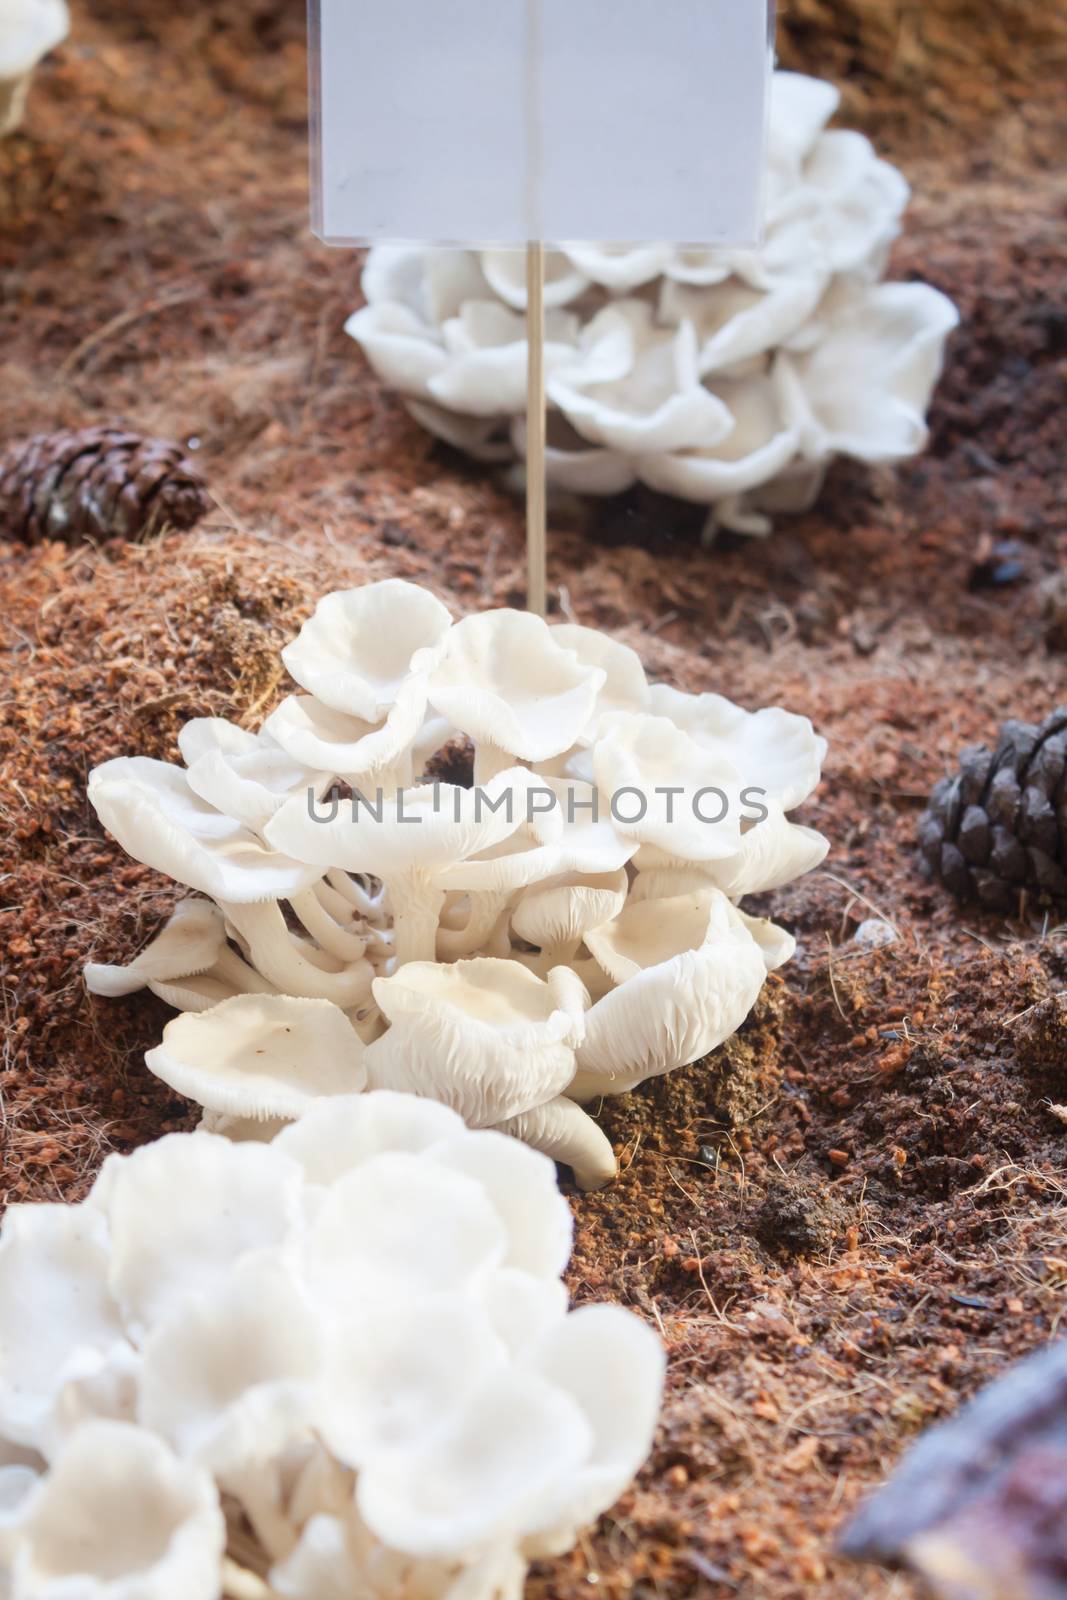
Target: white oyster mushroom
[(404, 352), (773, 852), (189, 943), (59, 1325), (294, 965), (561, 1130), (505, 273), (556, 917), (149, 807), (334, 1137), (229, 1379), (28, 30), (672, 373), (666, 790), (688, 973), (484, 1036), (656, 403), (434, 283), (492, 1469), (485, 348), (392, 1375), (260, 1055), (505, 682), (408, 840), (367, 756), (619, 266), (245, 776), (359, 646), (522, 1186), (119, 1517), (612, 1365), (737, 322), (760, 445), (625, 687), (776, 751), (423, 1231), (864, 389), (234, 1198)]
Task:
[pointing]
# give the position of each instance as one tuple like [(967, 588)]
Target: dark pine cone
[(97, 483), (1000, 825)]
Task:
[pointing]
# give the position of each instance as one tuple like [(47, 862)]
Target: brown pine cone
[(999, 826), (97, 483)]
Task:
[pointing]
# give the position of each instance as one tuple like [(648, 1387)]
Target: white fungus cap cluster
[(563, 929), (28, 30), (730, 378), (335, 1366)]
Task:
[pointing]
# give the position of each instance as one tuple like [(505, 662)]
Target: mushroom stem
[(486, 906), (234, 970), (352, 890), (274, 953), (322, 927), (566, 1133), (416, 912)]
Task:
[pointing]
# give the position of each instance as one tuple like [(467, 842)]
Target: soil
[(856, 1214)]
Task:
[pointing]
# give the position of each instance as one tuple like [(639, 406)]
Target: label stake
[(536, 581)]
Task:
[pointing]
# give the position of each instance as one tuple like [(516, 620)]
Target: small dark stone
[(799, 1218)]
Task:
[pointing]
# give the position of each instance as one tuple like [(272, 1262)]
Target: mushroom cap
[(612, 1365), (235, 1198), (260, 1055), (569, 907), (344, 745), (335, 1137), (773, 852), (491, 1471), (149, 807), (503, 680), (645, 753), (59, 1324), (394, 1374), (228, 1379), (625, 686), (189, 943), (771, 749), (692, 974), (485, 1036), (120, 1517), (422, 830), (865, 387), (359, 645), (422, 1230), (28, 30)]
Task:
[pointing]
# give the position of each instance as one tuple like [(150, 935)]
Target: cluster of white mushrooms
[(332, 1366), (563, 929), (730, 378), (28, 30)]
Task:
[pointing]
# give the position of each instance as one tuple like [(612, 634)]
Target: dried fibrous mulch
[(855, 1214)]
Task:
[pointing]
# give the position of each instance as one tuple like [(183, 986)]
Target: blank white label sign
[(498, 121)]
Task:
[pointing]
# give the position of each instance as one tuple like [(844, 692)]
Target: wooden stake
[(536, 581)]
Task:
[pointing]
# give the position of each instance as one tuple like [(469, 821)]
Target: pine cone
[(999, 826), (97, 483)]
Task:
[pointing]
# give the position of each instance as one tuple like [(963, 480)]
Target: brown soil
[(858, 1215)]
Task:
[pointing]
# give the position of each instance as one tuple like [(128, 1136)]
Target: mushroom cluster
[(729, 378), (28, 30), (338, 1364), (563, 928)]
